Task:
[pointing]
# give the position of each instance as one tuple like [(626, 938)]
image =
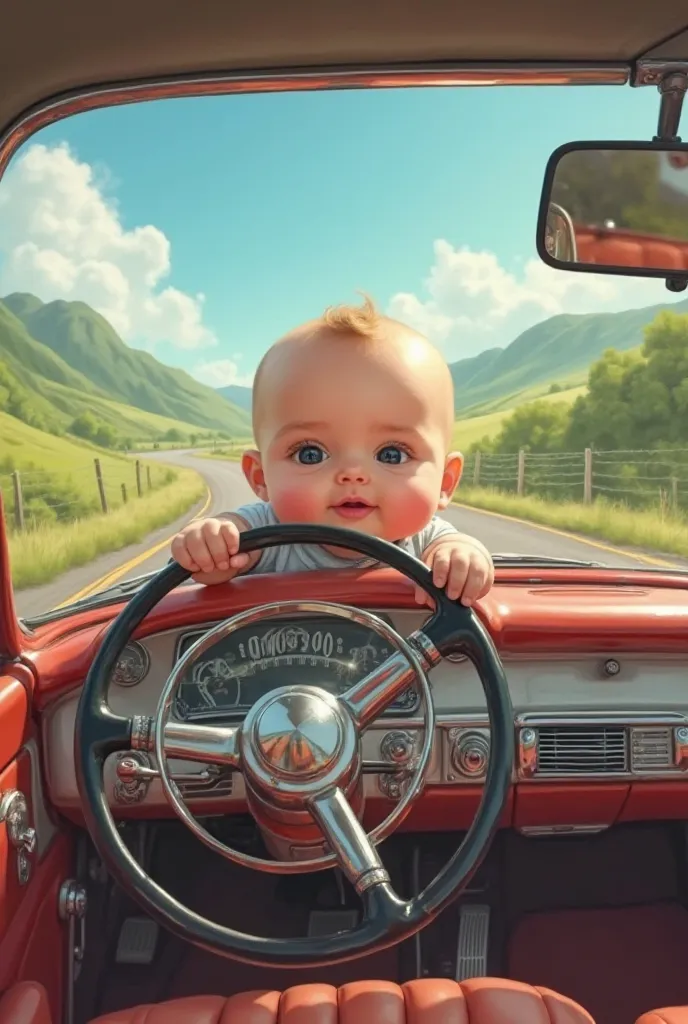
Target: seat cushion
[(669, 1015), (427, 1001)]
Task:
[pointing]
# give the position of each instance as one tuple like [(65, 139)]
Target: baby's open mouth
[(353, 508)]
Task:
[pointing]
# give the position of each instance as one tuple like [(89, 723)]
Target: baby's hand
[(209, 544), (464, 569)]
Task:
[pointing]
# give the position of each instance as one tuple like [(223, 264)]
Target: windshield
[(151, 254)]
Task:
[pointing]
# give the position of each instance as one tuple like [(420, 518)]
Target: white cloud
[(222, 372), (471, 302), (62, 238)]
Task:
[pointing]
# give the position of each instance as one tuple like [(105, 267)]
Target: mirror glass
[(619, 208)]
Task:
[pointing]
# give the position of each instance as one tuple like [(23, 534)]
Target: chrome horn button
[(299, 733)]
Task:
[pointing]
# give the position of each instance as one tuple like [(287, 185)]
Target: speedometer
[(238, 670)]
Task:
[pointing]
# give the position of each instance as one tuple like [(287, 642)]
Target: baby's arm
[(209, 548), (460, 564)]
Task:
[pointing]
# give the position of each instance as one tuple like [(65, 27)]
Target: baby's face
[(354, 433)]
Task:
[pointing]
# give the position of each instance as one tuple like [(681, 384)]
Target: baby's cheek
[(296, 503), (413, 506)]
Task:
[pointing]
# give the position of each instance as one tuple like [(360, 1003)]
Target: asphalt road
[(228, 489)]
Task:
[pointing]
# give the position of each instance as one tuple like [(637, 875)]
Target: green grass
[(468, 431), (649, 530), (40, 555), (60, 472)]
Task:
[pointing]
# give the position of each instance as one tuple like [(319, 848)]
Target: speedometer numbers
[(238, 671)]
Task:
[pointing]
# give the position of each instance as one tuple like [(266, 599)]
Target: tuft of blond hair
[(364, 320)]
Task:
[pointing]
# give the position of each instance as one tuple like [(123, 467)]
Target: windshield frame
[(428, 75)]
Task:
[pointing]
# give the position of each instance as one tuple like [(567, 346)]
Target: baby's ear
[(252, 465), (453, 468)]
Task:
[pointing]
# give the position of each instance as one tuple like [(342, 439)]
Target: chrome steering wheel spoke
[(367, 699), (209, 744), (348, 840)]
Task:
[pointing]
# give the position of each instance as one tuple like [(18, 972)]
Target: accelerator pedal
[(137, 941), (474, 936)]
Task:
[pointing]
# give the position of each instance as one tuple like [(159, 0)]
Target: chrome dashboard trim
[(527, 726)]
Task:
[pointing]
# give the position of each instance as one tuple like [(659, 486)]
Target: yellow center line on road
[(648, 559), (111, 577)]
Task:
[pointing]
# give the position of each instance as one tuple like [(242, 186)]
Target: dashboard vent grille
[(597, 750), (219, 786), (652, 749)]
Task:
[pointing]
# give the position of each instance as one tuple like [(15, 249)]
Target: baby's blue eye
[(392, 455), (309, 455)]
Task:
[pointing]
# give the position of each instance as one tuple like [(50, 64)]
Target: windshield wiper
[(542, 561)]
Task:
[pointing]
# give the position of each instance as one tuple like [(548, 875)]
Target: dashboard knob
[(397, 747), (470, 754)]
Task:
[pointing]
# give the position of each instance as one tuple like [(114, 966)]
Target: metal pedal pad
[(137, 941), (474, 936), (329, 922)]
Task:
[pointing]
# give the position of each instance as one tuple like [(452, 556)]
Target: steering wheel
[(299, 749)]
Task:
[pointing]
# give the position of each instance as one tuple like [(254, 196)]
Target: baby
[(352, 417)]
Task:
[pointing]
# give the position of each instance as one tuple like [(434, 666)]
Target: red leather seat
[(428, 1001), (668, 1015)]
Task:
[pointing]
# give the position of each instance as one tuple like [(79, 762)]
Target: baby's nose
[(352, 475)]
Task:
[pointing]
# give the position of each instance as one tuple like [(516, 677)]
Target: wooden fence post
[(124, 494), (476, 470), (101, 485), (18, 501), (521, 477), (139, 487), (587, 477)]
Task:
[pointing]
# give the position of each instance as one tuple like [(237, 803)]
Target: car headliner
[(48, 48)]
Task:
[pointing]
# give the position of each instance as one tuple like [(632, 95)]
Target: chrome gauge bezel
[(229, 715)]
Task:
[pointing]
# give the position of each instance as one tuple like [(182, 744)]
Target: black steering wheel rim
[(387, 920)]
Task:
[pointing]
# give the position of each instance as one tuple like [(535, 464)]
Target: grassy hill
[(474, 428), (558, 349), (43, 343)]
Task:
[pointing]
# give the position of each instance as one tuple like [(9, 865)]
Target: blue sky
[(277, 205)]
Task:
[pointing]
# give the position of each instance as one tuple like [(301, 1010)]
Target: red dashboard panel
[(534, 613), (526, 612)]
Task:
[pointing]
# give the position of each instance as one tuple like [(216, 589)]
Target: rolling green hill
[(50, 339), (558, 349)]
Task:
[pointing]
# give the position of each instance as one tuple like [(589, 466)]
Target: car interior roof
[(49, 49)]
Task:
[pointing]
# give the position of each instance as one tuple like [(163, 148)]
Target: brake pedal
[(328, 922), (474, 935), (137, 941)]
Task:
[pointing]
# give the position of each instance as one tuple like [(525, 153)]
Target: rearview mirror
[(617, 208)]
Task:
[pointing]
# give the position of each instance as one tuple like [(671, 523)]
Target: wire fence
[(34, 497), (637, 478)]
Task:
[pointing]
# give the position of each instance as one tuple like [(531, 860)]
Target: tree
[(85, 425), (537, 426), (637, 399)]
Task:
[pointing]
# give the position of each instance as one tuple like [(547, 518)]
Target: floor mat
[(617, 963)]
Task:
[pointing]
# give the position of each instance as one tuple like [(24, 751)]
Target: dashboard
[(601, 721)]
